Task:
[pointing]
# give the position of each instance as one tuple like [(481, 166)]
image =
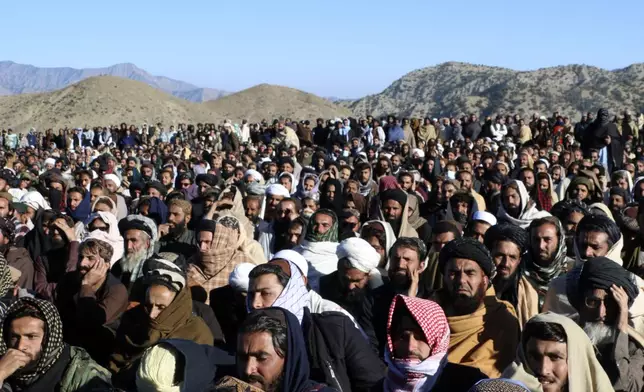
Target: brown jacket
[(19, 259)]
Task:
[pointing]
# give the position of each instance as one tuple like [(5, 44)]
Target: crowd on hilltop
[(392, 254)]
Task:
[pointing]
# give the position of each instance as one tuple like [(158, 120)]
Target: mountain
[(19, 79), (102, 100), (459, 88), (267, 101)]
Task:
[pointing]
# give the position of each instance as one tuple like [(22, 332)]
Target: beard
[(395, 224), (400, 281), (254, 219), (355, 296), (57, 243), (177, 228), (460, 217), (600, 334), (513, 211), (464, 304), (131, 260), (274, 386)]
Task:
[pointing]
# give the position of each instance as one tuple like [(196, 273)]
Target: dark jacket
[(19, 259), (50, 267), (230, 311), (472, 130), (339, 356), (185, 244)]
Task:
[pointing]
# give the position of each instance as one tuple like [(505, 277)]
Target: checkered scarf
[(52, 343), (498, 385), (6, 282)]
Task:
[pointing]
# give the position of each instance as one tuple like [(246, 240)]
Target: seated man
[(140, 236), (417, 344), (90, 297), (34, 356), (603, 295), (444, 232), (480, 223), (271, 353), (485, 330), (508, 245), (555, 355), (338, 355), (167, 313)]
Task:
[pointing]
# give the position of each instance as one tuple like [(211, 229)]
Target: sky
[(332, 48)]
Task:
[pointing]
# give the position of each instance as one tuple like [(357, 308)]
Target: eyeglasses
[(594, 302)]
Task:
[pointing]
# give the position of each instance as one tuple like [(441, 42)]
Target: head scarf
[(145, 224), (277, 190), (82, 211), (112, 236), (6, 280), (541, 276), (106, 200), (470, 249), (160, 271), (313, 193), (585, 373), (330, 236), (360, 254), (415, 220), (239, 279), (35, 200), (52, 346), (390, 236), (294, 297), (114, 178), (158, 210), (413, 375), (388, 182), (499, 385), (528, 211), (334, 205), (602, 273)]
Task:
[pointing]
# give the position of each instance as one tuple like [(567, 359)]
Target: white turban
[(35, 200), (419, 153), (295, 258), (257, 176), (113, 177), (277, 190), (50, 161), (360, 254), (239, 279)]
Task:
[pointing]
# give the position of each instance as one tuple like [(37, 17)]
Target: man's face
[(204, 241), (330, 192), (84, 181), (258, 362), (27, 334), (448, 191), (617, 202), (309, 184), (310, 204), (528, 179), (272, 170), (512, 201), (154, 192), (74, 199), (252, 209), (285, 209), (594, 156), (405, 182), (392, 210), (365, 174), (88, 259), (548, 360), (136, 241), (177, 219), (506, 256), (410, 344), (273, 201), (322, 223), (439, 240), (264, 290), (295, 233), (166, 179), (466, 283), (466, 180), (403, 264), (544, 184), (545, 244), (4, 207), (592, 244), (285, 181), (157, 299), (353, 283), (478, 230), (599, 307)]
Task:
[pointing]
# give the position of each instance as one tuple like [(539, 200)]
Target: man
[(407, 261), (443, 233), (603, 295), (368, 187), (6, 207), (466, 181), (479, 225), (34, 356), (275, 193), (494, 182), (90, 298), (16, 256), (166, 312), (217, 258), (286, 213), (547, 254), (484, 330), (418, 340), (320, 245), (394, 209), (140, 235), (271, 353), (508, 245), (555, 355), (174, 236), (349, 285), (517, 207)]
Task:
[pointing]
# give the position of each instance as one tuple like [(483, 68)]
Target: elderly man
[(217, 258), (320, 245), (271, 353), (417, 344), (140, 234), (555, 355), (485, 330), (517, 207), (603, 295), (34, 356), (507, 245), (547, 254)]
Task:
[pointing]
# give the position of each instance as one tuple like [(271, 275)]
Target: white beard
[(600, 334), (130, 261)]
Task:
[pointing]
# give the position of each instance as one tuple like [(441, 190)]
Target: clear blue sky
[(329, 47)]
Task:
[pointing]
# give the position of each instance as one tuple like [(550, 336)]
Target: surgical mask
[(345, 153), (451, 175), (307, 212)]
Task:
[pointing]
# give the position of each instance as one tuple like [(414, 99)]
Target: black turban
[(602, 273), (209, 179), (207, 225), (156, 185), (395, 194), (506, 232), (228, 162), (470, 249)]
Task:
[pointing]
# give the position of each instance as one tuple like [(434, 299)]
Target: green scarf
[(330, 236)]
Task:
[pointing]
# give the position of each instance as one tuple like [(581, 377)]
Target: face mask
[(451, 175), (307, 212), (345, 153)]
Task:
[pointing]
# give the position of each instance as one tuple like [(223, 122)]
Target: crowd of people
[(346, 255)]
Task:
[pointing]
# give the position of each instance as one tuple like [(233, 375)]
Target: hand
[(12, 361), (621, 298), (96, 275), (415, 279), (164, 229), (70, 233)]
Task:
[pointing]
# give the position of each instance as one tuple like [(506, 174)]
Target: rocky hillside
[(266, 101), (103, 100), (20, 78), (459, 88)]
